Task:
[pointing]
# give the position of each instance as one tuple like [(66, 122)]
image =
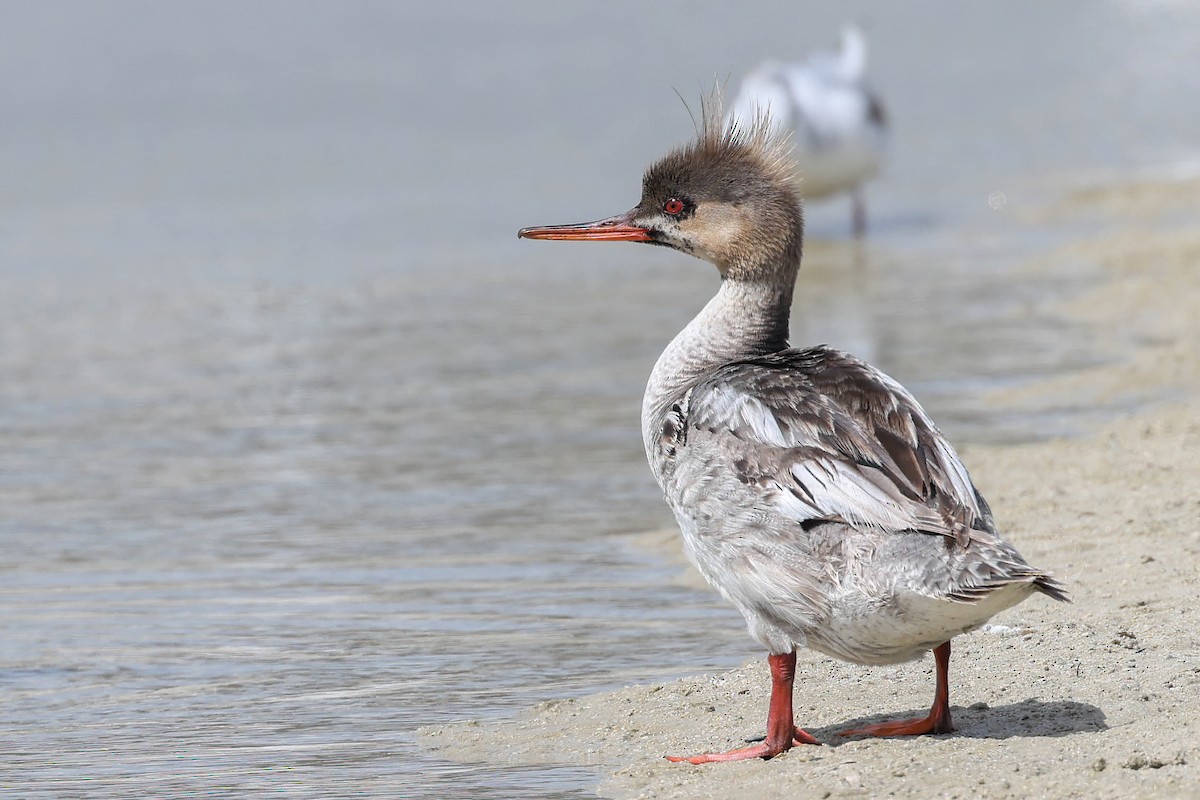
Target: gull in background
[(837, 124)]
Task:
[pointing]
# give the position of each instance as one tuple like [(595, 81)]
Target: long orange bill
[(618, 229)]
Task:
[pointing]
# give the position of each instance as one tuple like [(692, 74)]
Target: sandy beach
[(1100, 698)]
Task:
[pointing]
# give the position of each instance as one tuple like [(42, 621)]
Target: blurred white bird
[(838, 125)]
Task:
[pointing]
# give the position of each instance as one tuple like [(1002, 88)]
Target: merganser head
[(726, 197)]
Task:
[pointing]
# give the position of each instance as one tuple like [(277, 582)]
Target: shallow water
[(301, 449)]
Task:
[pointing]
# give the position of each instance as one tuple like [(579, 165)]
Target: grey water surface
[(301, 449)]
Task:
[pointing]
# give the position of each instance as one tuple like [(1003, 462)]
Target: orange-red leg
[(938, 720), (782, 733)]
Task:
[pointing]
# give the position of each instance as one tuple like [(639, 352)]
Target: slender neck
[(744, 319), (748, 317)]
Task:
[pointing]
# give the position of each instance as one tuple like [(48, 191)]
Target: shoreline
[(1094, 699)]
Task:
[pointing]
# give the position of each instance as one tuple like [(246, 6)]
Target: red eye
[(673, 206)]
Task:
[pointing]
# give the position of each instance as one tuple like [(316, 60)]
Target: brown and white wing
[(826, 437)]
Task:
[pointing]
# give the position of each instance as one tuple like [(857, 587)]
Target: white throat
[(743, 320)]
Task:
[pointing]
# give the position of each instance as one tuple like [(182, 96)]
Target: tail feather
[(1050, 586), (1043, 582)]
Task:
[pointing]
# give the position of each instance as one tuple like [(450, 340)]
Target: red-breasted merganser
[(811, 489), (837, 122)]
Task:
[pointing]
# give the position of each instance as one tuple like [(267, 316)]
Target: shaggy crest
[(761, 136), (726, 149)]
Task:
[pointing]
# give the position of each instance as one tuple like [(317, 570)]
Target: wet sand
[(1100, 698)]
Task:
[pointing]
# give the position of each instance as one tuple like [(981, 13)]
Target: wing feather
[(828, 437)]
